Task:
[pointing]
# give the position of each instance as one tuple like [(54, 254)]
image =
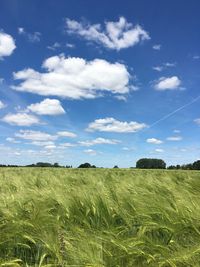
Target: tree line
[(144, 163)]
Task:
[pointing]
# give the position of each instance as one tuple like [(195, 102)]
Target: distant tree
[(68, 166), (56, 165), (115, 167), (148, 163), (178, 167), (171, 167), (196, 165), (43, 164), (93, 166), (187, 167), (87, 165)]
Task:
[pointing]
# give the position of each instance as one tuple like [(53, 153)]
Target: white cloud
[(113, 125), (42, 143), (66, 134), (128, 148), (196, 57), (65, 145), (117, 35), (7, 45), (174, 138), (121, 97), (17, 153), (98, 141), (176, 131), (47, 107), (32, 37), (21, 30), (156, 47), (169, 83), (21, 119), (35, 136), (12, 140), (68, 45), (164, 66), (50, 147), (91, 152), (2, 105), (154, 141), (197, 121), (159, 150), (75, 78), (158, 68), (169, 64), (54, 46)]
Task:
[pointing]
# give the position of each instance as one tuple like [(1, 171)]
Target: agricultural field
[(99, 217)]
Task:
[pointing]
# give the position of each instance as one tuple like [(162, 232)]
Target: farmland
[(99, 217)]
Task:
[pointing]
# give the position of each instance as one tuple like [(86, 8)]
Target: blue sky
[(100, 82)]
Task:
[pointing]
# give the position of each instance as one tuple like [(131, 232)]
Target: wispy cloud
[(174, 138), (156, 47), (32, 37), (164, 66), (116, 35), (2, 105)]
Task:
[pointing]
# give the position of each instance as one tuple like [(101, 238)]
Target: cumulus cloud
[(98, 141), (32, 37), (74, 78), (21, 119), (174, 138), (35, 135), (2, 105), (7, 45), (66, 134), (113, 125), (154, 141), (47, 107), (116, 35), (169, 83)]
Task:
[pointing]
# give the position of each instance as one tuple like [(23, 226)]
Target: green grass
[(99, 217)]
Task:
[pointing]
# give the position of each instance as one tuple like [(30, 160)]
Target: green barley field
[(99, 217)]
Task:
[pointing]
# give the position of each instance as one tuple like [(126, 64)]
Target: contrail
[(175, 111)]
